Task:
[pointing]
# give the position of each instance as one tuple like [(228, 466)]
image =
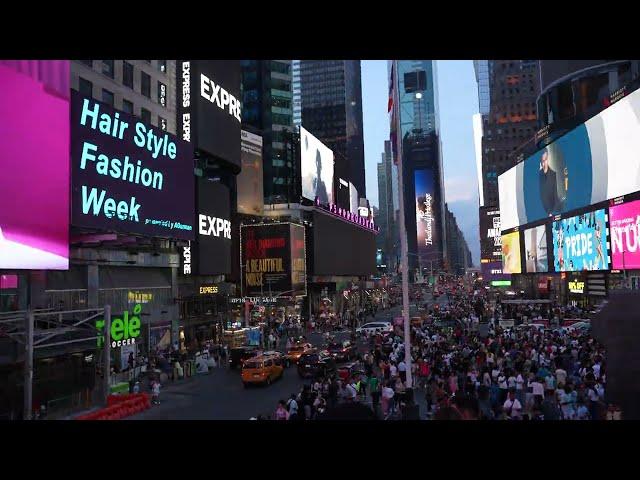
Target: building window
[(162, 94), (162, 66), (88, 63), (85, 88), (145, 115), (127, 106), (145, 84), (107, 68), (162, 122), (127, 74), (415, 81), (107, 97)]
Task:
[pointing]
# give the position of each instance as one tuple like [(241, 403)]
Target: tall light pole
[(403, 246)]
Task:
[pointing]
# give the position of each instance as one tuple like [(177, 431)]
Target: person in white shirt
[(393, 370), (402, 371), (561, 376), (512, 407), (511, 381)]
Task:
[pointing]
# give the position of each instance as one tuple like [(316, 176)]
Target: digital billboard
[(426, 216), (580, 242), (209, 107), (624, 228), (272, 260), (213, 247), (490, 238), (34, 154), (511, 253), (316, 168), (341, 247), (492, 271), (592, 163), (249, 181), (535, 250), (128, 176)]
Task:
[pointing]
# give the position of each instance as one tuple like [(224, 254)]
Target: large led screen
[(342, 248), (511, 253), (249, 180), (624, 227), (128, 176), (426, 216), (209, 107), (316, 168), (272, 260), (213, 248), (595, 162), (492, 271), (535, 250), (580, 242), (490, 238), (34, 154)]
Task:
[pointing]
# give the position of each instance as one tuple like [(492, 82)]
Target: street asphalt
[(220, 394)]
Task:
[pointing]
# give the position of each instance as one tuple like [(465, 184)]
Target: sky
[(458, 102)]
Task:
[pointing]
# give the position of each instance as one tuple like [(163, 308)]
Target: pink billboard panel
[(624, 223), (34, 156)]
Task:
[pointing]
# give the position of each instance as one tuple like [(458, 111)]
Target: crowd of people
[(520, 373)]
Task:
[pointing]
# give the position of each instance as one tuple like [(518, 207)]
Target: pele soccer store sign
[(128, 176), (273, 260)]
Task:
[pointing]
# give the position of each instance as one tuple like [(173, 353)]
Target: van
[(262, 369)]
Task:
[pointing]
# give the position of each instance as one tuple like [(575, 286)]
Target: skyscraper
[(267, 106), (415, 120), (511, 117), (297, 102), (386, 216), (331, 100)]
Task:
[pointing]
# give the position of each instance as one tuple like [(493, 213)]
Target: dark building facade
[(267, 107), (331, 109), (514, 86), (458, 253)]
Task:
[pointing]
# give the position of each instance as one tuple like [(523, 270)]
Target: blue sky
[(458, 101)]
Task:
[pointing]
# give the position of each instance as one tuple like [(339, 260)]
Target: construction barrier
[(120, 406)]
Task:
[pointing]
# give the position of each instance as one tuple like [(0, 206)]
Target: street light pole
[(403, 255)]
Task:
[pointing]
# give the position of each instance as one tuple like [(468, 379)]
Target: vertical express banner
[(266, 259)]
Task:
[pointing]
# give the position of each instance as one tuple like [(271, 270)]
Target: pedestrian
[(155, 392), (402, 371), (387, 399), (512, 407), (281, 412), (292, 407)]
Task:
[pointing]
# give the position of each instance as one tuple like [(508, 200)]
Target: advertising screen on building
[(535, 250), (34, 154), (580, 242), (492, 271), (268, 260), (341, 247), (624, 227), (249, 180), (490, 238), (594, 162), (511, 253), (209, 107), (316, 168), (298, 260), (213, 248), (128, 176), (426, 216)]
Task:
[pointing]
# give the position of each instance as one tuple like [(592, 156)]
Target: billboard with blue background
[(580, 242)]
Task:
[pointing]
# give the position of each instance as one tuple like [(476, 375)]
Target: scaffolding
[(42, 328)]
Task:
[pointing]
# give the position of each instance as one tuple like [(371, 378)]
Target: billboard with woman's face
[(511, 253), (316, 168)]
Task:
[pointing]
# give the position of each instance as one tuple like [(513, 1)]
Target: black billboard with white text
[(128, 176), (490, 239), (213, 249), (209, 107)]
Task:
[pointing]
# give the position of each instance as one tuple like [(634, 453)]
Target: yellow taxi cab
[(295, 352), (263, 369)]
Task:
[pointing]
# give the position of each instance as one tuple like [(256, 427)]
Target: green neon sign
[(124, 331), (501, 283)]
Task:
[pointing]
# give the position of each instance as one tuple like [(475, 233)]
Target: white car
[(375, 327)]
